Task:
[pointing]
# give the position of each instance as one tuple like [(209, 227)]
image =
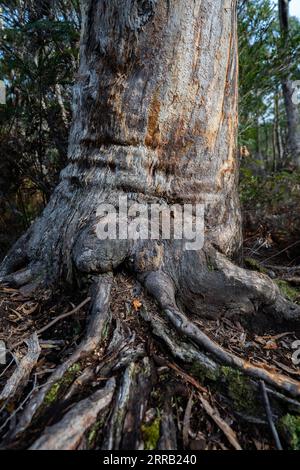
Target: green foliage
[(266, 59), (38, 59), (290, 426), (257, 191), (289, 292), (244, 397)]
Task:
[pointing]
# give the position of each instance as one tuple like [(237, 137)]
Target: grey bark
[(155, 118)]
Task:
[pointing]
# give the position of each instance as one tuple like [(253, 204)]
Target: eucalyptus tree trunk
[(292, 108), (155, 120)]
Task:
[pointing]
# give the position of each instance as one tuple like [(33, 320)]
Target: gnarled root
[(67, 433), (98, 320), (161, 287), (20, 377), (186, 285)]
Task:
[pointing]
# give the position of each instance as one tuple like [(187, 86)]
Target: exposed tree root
[(67, 433), (98, 320), (161, 287), (181, 351), (168, 439), (123, 422), (20, 377)]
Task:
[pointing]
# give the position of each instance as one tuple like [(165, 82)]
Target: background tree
[(292, 109), (266, 59), (155, 119), (39, 50)]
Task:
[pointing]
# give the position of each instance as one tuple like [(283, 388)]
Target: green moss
[(105, 330), (290, 426), (51, 395), (62, 384), (93, 433), (291, 293), (202, 373), (251, 263), (151, 433), (240, 390), (210, 264)]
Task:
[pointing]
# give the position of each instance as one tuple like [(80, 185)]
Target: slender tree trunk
[(292, 109), (155, 119), (277, 128)]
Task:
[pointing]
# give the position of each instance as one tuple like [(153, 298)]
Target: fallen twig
[(270, 415), (214, 414), (55, 320), (186, 421), (186, 376)]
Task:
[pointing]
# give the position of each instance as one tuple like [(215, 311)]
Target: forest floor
[(236, 403)]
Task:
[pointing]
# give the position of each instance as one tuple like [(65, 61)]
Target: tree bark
[(292, 109), (155, 119)]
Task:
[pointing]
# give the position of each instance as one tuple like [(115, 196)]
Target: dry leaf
[(136, 304), (271, 345)]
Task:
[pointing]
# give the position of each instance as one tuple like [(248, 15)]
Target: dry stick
[(213, 413), (20, 407), (187, 377), (55, 320), (270, 415), (186, 421), (283, 398), (7, 367), (64, 315), (280, 252), (289, 269), (68, 433), (229, 433)]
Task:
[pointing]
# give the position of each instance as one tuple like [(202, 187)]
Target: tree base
[(103, 394)]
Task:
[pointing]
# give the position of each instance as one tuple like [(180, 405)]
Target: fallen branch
[(187, 421)]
